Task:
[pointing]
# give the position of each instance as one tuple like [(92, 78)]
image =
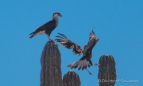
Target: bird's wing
[(91, 43), (41, 29), (45, 26), (68, 43)]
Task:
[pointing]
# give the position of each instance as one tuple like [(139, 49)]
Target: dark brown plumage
[(47, 27), (85, 61), (68, 44)]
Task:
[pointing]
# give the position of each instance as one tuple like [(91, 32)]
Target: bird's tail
[(81, 64), (32, 35)]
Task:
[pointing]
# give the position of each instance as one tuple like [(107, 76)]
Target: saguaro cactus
[(51, 65), (71, 79), (107, 71)]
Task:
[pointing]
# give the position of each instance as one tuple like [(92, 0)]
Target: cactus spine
[(51, 65), (71, 78), (107, 71)]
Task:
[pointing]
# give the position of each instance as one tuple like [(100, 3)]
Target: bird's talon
[(96, 64)]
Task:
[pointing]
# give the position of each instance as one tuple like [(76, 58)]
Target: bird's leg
[(49, 38), (89, 72), (96, 64)]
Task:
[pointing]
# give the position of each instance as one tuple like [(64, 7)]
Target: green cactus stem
[(107, 71), (71, 78), (51, 65)]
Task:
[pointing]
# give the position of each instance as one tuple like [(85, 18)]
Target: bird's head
[(57, 14)]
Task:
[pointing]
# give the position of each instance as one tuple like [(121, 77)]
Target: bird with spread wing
[(85, 61)]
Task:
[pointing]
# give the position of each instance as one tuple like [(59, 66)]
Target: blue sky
[(118, 24)]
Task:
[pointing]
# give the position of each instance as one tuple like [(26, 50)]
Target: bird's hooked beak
[(59, 15)]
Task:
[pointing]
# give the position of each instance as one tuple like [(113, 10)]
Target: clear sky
[(118, 24)]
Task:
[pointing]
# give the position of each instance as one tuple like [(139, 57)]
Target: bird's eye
[(59, 14)]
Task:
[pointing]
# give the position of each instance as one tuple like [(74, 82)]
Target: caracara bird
[(85, 61), (47, 27)]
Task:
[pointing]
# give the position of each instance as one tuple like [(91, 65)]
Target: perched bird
[(47, 27), (85, 61)]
